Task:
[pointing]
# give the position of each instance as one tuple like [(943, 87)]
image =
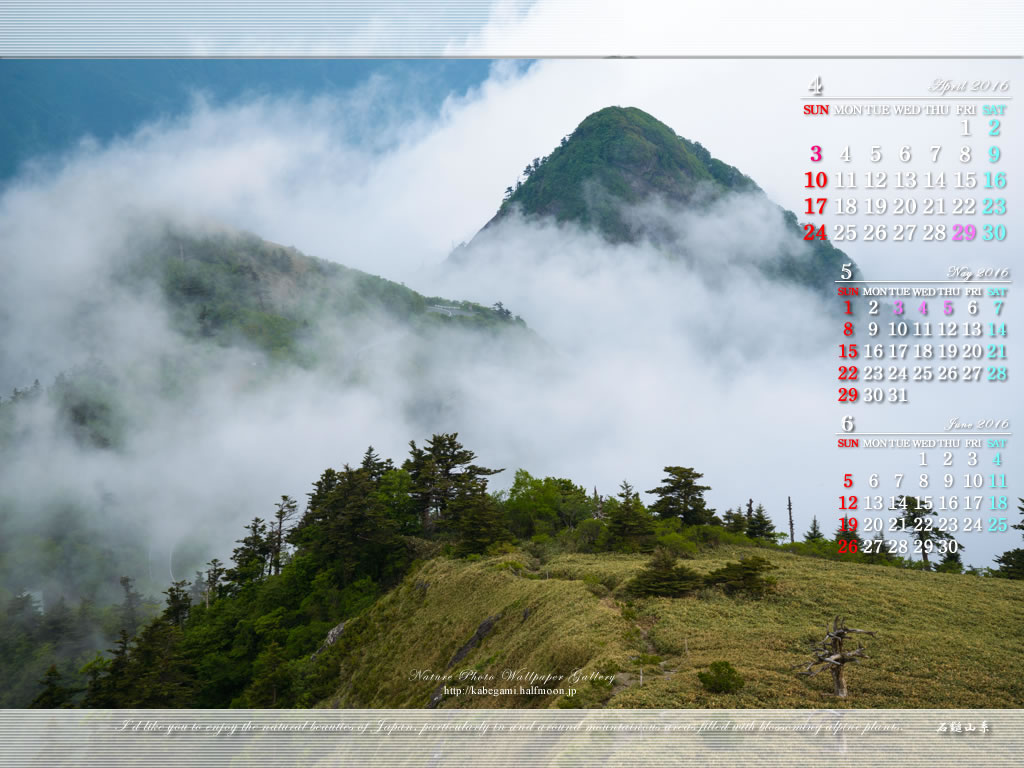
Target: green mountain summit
[(620, 158), (618, 155)]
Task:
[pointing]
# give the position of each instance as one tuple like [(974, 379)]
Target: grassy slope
[(943, 640)]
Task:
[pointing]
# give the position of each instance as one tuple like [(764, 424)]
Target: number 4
[(816, 86)]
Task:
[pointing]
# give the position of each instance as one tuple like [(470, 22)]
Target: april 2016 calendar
[(574, 386)]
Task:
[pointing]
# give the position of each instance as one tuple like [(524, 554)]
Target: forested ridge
[(251, 632)]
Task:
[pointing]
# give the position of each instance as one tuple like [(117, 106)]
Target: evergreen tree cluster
[(754, 523), (249, 632), (241, 633)]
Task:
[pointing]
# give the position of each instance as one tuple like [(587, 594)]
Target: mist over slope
[(182, 363), (190, 351)]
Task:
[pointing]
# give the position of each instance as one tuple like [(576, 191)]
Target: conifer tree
[(54, 695), (214, 573), (108, 678), (375, 466), (285, 511), (853, 541), (814, 534), (681, 496), (393, 491), (951, 563), (57, 624), (158, 675), (760, 526), (441, 473), (178, 603), (197, 593), (597, 501), (130, 606), (1011, 565), (481, 523), (252, 558), (1020, 508), (735, 521), (272, 679), (630, 525), (1011, 562), (347, 530)]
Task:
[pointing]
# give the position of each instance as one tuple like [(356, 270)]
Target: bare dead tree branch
[(830, 654)]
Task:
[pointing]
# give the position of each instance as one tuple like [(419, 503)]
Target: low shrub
[(746, 576), (721, 677), (663, 578)]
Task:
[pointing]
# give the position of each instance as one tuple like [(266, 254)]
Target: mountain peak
[(617, 155), (620, 157)]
